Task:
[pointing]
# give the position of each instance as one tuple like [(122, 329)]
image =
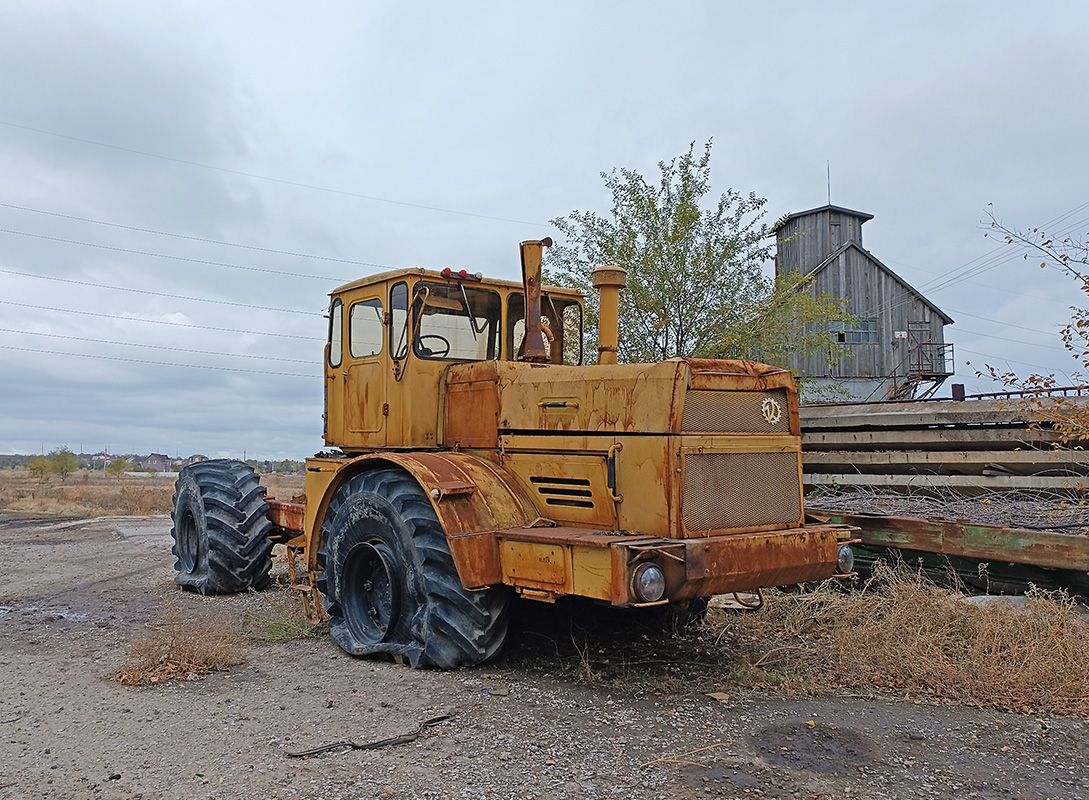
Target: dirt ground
[(76, 592)]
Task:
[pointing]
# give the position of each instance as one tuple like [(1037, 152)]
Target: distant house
[(898, 347), (194, 459), (101, 460), (156, 461)]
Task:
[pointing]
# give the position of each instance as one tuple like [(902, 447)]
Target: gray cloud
[(926, 113)]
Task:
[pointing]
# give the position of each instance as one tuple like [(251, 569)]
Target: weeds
[(90, 494), (278, 617), (183, 647), (96, 494), (899, 633), (903, 634)]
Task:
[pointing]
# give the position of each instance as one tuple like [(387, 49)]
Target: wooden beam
[(929, 439), (921, 414), (984, 542), (965, 484), (968, 462)]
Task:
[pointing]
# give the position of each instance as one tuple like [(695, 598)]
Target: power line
[(156, 363), (1004, 324), (173, 258), (155, 294), (155, 346), (1004, 339), (197, 238), (162, 322), (269, 178), (1013, 361)]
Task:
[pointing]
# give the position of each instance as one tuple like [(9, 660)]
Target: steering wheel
[(424, 351)]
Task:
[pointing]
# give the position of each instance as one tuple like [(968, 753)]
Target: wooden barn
[(898, 347)]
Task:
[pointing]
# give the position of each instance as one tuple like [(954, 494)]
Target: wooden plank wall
[(969, 447)]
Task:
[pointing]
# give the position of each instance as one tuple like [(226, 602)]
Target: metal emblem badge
[(772, 411)]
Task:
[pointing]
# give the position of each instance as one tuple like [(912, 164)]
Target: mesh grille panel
[(740, 490), (736, 412)]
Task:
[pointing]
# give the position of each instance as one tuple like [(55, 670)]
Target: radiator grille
[(736, 412), (740, 490)]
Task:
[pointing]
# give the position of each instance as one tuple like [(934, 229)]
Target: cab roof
[(420, 272)]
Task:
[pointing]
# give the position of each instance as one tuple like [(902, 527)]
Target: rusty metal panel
[(598, 399), (566, 487), (644, 468), (471, 406), (477, 559), (983, 542), (321, 474), (754, 560), (288, 515), (592, 572), (478, 497), (536, 565)]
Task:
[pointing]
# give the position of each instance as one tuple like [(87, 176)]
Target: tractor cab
[(393, 336)]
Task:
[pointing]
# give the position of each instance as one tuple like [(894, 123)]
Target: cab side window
[(399, 333), (336, 333), (365, 328)]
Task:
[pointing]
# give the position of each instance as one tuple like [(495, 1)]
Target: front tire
[(390, 583), (221, 533)]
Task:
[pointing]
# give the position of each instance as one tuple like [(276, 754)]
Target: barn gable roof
[(862, 215), (946, 319)]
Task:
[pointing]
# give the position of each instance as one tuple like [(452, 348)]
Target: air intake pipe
[(608, 281)]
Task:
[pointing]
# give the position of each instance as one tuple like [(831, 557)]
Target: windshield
[(455, 322)]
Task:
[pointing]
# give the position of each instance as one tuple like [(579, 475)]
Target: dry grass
[(903, 634), (183, 647), (189, 643), (85, 494), (96, 494), (283, 487), (899, 634), (277, 615)]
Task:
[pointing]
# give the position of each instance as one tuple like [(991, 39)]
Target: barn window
[(864, 332)]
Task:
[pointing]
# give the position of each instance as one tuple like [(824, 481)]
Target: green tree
[(63, 462), (119, 467), (696, 286), (40, 467)]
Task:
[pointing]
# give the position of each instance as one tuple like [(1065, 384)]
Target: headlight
[(648, 583), (845, 563)]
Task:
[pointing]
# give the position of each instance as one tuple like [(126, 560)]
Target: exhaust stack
[(533, 346), (608, 281)]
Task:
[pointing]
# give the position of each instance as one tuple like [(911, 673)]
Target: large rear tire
[(221, 533), (390, 583)]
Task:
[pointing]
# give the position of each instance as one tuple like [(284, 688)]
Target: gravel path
[(76, 593)]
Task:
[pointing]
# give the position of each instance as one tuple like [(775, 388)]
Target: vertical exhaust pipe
[(533, 346), (608, 281)]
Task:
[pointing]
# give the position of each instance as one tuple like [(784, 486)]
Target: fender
[(471, 496)]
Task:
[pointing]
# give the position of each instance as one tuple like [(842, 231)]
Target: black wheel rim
[(188, 541), (371, 591)]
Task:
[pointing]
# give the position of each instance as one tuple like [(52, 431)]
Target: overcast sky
[(156, 156)]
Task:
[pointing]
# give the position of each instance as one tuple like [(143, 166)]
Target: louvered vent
[(736, 412), (570, 492), (740, 490)]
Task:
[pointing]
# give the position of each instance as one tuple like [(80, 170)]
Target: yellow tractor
[(477, 458)]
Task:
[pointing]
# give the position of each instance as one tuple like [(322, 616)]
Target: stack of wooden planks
[(969, 446)]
